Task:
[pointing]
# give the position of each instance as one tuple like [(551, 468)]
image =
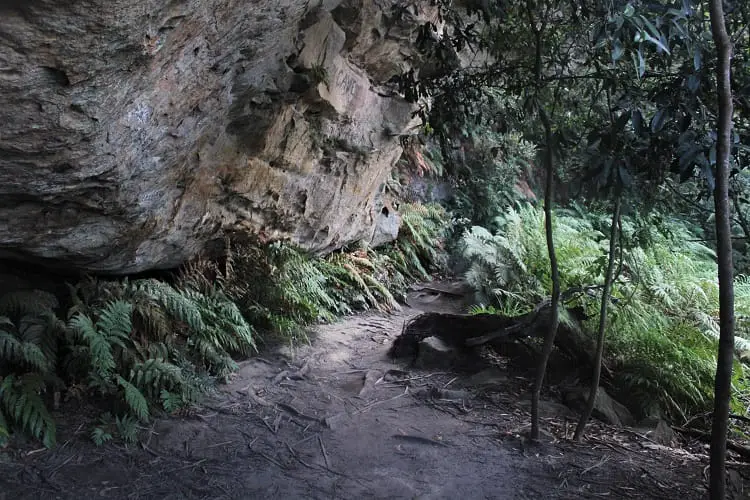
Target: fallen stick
[(375, 403), (294, 411), (420, 439), (297, 457), (323, 450), (188, 466), (742, 450), (277, 464)]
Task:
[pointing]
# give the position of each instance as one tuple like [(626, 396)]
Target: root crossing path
[(339, 419)]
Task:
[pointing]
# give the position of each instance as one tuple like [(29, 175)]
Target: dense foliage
[(664, 328), (623, 99), (619, 99), (146, 346)]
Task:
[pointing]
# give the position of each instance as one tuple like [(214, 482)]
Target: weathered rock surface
[(135, 131), (606, 408)]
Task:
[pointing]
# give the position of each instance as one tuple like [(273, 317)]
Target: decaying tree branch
[(471, 331)]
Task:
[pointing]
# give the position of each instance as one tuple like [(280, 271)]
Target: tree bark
[(741, 219), (722, 388), (549, 340), (606, 293)]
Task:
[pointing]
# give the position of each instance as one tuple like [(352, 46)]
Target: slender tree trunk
[(586, 414), (722, 389), (549, 339)]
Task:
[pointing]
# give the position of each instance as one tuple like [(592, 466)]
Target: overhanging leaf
[(637, 121), (657, 122)]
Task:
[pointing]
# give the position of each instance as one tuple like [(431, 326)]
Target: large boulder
[(136, 131)]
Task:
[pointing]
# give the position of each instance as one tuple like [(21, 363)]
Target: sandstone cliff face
[(134, 131)]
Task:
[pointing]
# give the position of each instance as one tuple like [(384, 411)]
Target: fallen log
[(463, 331), (453, 329)]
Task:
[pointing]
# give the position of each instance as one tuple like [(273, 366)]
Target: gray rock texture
[(136, 131)]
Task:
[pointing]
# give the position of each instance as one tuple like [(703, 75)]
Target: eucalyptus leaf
[(693, 83), (657, 122), (626, 180), (641, 63), (637, 121), (656, 41), (617, 51)]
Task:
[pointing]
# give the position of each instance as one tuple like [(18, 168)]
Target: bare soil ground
[(339, 419)]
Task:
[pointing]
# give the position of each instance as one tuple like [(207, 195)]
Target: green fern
[(110, 333), (131, 342), (22, 404), (155, 375), (176, 304), (101, 358), (663, 328), (29, 331), (135, 399), (211, 315), (29, 337), (19, 353), (4, 430), (125, 426), (100, 436), (174, 401), (478, 309), (420, 240), (27, 302)]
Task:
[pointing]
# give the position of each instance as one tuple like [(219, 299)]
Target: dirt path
[(341, 420)]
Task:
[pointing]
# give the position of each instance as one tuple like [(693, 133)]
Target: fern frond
[(381, 290), (102, 359), (127, 428), (115, 320), (152, 319), (11, 349), (155, 375), (44, 330), (21, 402), (177, 304), (171, 401), (27, 302), (100, 437), (218, 362), (4, 430), (135, 399)]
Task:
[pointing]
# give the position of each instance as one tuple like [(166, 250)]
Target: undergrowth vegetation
[(662, 339), (146, 346), (488, 174)]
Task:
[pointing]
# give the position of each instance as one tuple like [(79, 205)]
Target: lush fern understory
[(147, 346), (663, 329), (144, 347)]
